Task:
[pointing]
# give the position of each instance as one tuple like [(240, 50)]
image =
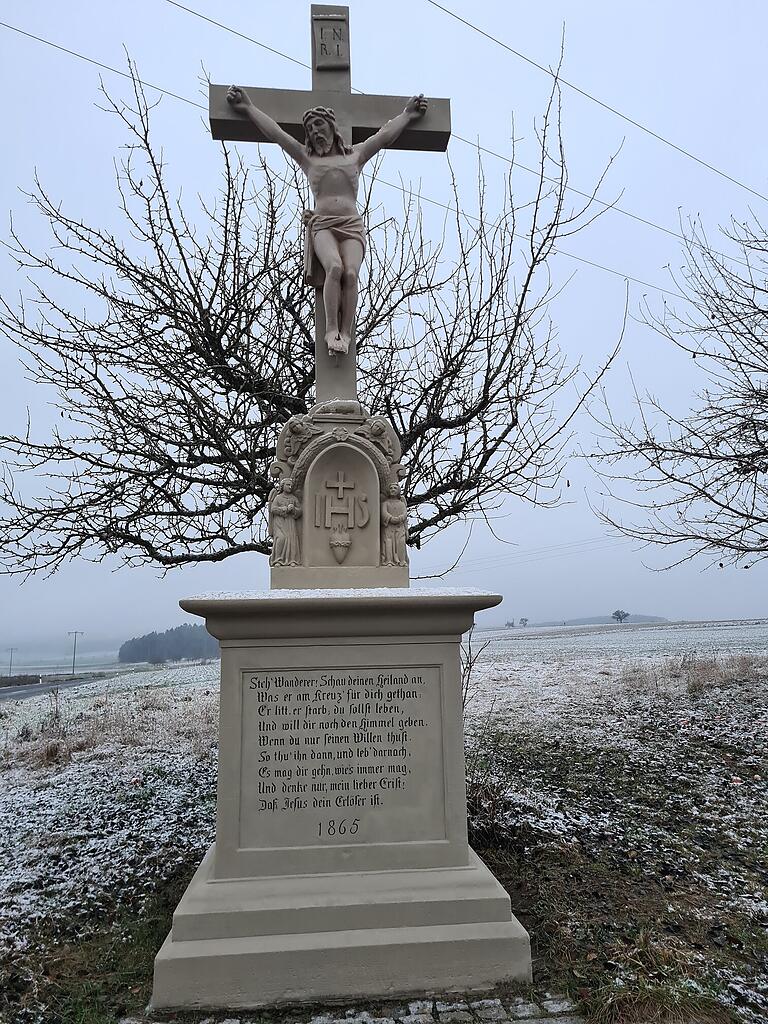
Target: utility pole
[(10, 663), (74, 633)]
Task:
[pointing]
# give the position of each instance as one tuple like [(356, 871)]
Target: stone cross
[(358, 118), (339, 484)]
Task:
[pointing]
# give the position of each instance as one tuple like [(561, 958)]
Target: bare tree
[(470, 655), (178, 347), (703, 476), (619, 615)]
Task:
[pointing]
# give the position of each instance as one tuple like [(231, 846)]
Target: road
[(36, 689)]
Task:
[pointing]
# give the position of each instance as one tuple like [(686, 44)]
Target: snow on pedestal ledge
[(344, 593)]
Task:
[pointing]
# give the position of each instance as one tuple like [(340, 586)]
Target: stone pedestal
[(341, 866)]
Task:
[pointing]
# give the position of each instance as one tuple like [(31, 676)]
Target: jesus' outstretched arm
[(241, 102), (415, 108)]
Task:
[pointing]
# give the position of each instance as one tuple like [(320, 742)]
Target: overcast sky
[(692, 70)]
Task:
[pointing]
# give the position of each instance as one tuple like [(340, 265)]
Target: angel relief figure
[(335, 233), (394, 519), (300, 431), (284, 513)]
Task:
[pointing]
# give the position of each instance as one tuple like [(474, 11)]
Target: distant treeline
[(187, 641)]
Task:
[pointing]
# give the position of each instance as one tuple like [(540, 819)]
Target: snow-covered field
[(107, 788), (540, 676), (101, 788), (643, 754), (634, 640)]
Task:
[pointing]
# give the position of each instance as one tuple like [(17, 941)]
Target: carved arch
[(318, 445)]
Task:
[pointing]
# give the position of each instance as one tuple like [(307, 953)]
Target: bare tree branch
[(703, 476), (176, 348)]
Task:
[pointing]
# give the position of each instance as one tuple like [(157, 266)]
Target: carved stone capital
[(353, 537)]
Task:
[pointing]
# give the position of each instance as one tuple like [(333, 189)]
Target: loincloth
[(347, 228)]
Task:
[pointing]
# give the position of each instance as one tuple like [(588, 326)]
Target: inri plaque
[(330, 41)]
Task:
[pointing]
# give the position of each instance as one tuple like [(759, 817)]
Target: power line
[(615, 208), (619, 273), (427, 199), (98, 64), (473, 145), (302, 64), (599, 102), (241, 35), (459, 570), (460, 138), (559, 251), (567, 547), (532, 555)]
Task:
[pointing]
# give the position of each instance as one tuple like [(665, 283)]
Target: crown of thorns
[(330, 117), (325, 112)]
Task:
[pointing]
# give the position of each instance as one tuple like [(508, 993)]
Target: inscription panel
[(340, 756)]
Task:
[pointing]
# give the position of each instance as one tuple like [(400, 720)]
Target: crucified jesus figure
[(335, 233)]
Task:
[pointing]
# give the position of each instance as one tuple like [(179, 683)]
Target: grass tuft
[(698, 673), (655, 1005)]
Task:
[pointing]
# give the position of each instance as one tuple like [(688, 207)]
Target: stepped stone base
[(245, 943), (341, 867)]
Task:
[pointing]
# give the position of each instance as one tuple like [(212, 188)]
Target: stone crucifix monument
[(341, 866)]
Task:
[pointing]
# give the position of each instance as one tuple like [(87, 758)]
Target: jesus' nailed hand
[(335, 231)]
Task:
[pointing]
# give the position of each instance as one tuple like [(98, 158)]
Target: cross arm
[(363, 114)]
